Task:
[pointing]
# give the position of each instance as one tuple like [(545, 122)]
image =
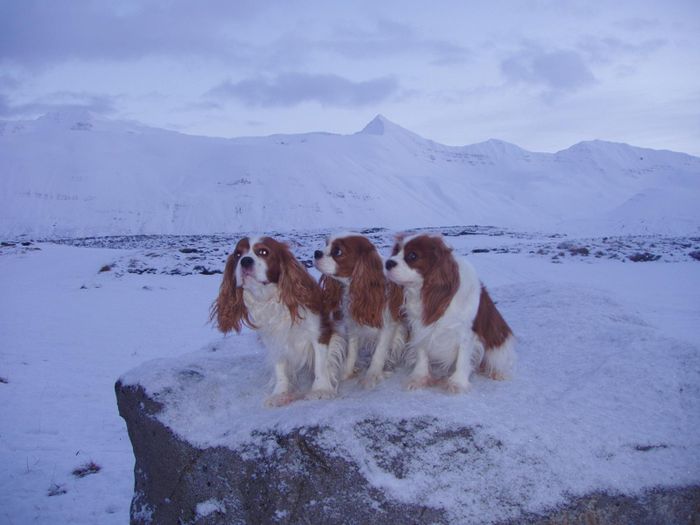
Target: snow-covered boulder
[(299, 476), (292, 476), (598, 424)]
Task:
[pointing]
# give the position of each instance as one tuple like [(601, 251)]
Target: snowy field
[(606, 395)]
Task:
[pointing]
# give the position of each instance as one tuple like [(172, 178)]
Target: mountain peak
[(376, 126), (380, 125)]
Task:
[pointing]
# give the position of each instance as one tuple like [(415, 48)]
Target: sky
[(543, 74)]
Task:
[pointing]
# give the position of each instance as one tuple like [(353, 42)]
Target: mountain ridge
[(379, 125), (75, 173)]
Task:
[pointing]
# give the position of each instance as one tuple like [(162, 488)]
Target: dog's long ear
[(395, 298), (367, 292), (297, 288), (439, 285), (229, 309), (332, 290)]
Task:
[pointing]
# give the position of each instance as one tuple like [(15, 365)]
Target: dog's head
[(257, 263), (352, 260), (426, 262)]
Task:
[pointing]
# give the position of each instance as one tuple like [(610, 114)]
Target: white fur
[(498, 363), (449, 343), (293, 346)]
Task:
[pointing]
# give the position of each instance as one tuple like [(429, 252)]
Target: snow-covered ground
[(606, 396)]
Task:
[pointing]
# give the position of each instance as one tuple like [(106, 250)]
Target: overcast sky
[(543, 74)]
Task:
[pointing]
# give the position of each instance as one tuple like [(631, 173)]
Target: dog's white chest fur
[(283, 339), (442, 338)]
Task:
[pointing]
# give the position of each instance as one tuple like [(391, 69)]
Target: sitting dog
[(453, 321), (265, 288), (356, 291)]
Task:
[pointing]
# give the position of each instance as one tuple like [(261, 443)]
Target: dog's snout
[(390, 264), (247, 262), (318, 254)]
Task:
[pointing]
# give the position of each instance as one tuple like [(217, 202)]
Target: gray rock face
[(296, 480), (669, 506), (293, 477)]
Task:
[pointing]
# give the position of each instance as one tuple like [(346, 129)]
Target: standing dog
[(453, 321), (357, 291), (265, 288)]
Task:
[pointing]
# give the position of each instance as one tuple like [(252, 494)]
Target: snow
[(74, 174), (607, 391), (62, 347), (606, 395), (206, 508)]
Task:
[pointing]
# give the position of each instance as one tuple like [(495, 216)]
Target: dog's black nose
[(390, 264), (247, 262), (318, 254)]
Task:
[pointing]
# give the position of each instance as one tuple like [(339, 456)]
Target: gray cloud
[(39, 32), (557, 71), (638, 24), (608, 49), (290, 89), (100, 104), (8, 82), (392, 38)]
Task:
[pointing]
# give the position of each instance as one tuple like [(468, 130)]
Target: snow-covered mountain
[(73, 174)]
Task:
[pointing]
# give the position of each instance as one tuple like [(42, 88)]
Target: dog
[(453, 322), (358, 293), (265, 288)]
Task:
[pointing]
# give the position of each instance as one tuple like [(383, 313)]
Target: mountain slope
[(73, 174)]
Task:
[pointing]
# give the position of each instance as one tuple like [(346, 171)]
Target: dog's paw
[(372, 379), (454, 387), (279, 400), (349, 374), (320, 394), (416, 383), (493, 374)]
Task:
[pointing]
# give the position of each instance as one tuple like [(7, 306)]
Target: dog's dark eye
[(237, 255), (336, 252), (262, 252), (411, 256)]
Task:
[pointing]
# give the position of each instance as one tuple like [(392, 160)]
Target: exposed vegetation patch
[(87, 469)]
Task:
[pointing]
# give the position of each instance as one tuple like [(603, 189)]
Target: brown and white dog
[(453, 321), (357, 291), (265, 288)]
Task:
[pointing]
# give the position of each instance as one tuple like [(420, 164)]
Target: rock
[(279, 478), (678, 506), (644, 257), (208, 452)]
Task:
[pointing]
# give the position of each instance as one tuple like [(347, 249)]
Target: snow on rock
[(209, 507), (602, 401), (71, 173)]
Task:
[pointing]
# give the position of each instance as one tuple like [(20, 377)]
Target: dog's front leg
[(280, 395), (322, 387), (351, 361), (375, 372)]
